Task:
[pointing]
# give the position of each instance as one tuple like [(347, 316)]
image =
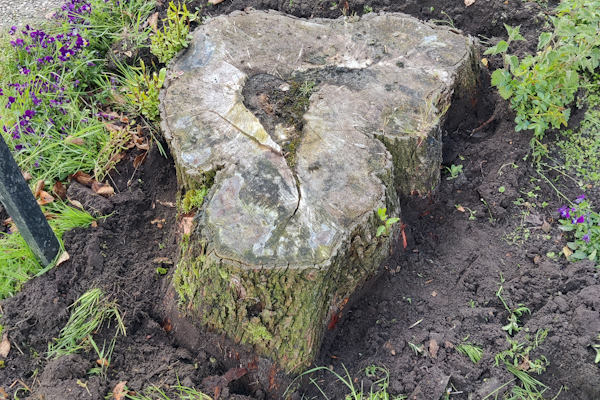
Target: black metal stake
[(24, 210)]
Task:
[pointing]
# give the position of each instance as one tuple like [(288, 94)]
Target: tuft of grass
[(474, 352), (89, 312)]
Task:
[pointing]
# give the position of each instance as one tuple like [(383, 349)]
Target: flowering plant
[(585, 225)]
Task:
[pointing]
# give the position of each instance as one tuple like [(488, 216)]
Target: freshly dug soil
[(463, 243)]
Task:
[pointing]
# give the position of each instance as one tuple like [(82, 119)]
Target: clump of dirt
[(463, 244)]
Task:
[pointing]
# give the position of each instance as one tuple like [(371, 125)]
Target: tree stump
[(301, 130)]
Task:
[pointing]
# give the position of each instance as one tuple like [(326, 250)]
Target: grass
[(474, 352), (89, 313), (378, 391), (18, 263), (156, 393)]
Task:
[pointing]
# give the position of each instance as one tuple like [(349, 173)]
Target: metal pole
[(24, 210)]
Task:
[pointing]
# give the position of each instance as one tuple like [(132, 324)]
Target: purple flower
[(580, 199), (10, 101), (12, 30), (579, 220), (1, 92), (564, 212), (586, 238)]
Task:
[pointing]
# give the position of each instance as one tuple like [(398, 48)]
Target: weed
[(175, 35), (455, 171), (89, 313), (474, 352), (141, 89), (514, 314), (518, 361), (161, 271), (386, 228), (367, 9), (419, 350)]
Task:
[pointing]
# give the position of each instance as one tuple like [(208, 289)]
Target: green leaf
[(513, 33), (380, 230), (500, 47), (381, 212), (391, 221), (543, 40)]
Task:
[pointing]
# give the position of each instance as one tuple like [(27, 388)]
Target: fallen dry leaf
[(75, 140), (187, 224), (214, 1), (433, 294), (162, 260), (39, 186), (469, 2), (4, 346), (103, 189), (138, 160), (119, 391), (76, 203), (63, 257), (103, 362), (433, 348), (3, 394), (166, 203), (485, 62), (546, 227), (112, 127), (45, 198), (567, 251), (143, 146), (153, 22), (82, 178), (59, 190), (27, 176), (460, 208), (94, 224)]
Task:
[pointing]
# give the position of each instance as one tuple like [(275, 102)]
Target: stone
[(302, 130)]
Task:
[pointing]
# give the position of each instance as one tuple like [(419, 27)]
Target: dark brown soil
[(438, 292)]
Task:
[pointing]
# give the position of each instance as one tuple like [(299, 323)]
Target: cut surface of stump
[(303, 129)]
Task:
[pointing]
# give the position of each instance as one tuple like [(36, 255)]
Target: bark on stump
[(304, 129)]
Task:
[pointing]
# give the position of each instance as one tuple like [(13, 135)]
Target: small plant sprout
[(501, 189), (472, 351), (419, 350), (513, 319), (386, 227), (454, 170)]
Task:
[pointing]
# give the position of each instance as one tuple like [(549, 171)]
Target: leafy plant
[(584, 224), (541, 86), (474, 352), (175, 35), (386, 228), (141, 89), (455, 171)]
